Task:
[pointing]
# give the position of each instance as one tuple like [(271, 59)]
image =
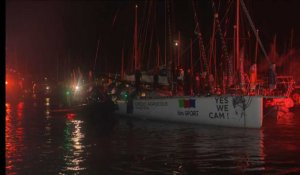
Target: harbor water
[(38, 141)]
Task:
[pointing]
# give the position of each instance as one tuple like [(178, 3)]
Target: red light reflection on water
[(20, 108), (14, 135), (7, 109), (286, 119), (282, 144), (252, 155)]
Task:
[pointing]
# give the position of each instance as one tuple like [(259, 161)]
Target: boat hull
[(232, 111)]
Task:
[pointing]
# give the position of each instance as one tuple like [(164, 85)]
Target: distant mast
[(96, 56), (136, 61), (122, 65), (292, 39), (158, 55)]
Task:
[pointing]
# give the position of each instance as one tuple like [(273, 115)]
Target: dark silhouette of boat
[(96, 104)]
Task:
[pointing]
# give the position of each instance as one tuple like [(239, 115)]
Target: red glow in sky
[(43, 34)]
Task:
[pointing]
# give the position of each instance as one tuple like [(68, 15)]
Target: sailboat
[(225, 109)]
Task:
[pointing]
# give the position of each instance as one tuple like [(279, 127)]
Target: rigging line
[(254, 31), (169, 31), (115, 17), (142, 31), (95, 62), (197, 60), (159, 42), (150, 27), (199, 34), (150, 48), (225, 18), (156, 37), (188, 48), (223, 42), (143, 18), (227, 11), (212, 41), (149, 9), (155, 28), (148, 21), (165, 42), (173, 15)]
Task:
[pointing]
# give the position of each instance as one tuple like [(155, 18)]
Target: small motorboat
[(96, 103)]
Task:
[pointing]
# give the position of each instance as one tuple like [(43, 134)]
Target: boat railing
[(285, 86)]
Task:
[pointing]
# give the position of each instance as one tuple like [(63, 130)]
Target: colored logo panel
[(190, 103)]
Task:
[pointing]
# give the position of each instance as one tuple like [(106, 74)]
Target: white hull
[(232, 111)]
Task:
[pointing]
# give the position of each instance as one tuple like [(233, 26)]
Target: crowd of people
[(185, 82)]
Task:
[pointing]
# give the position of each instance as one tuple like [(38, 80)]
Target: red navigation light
[(9, 80), (71, 116)]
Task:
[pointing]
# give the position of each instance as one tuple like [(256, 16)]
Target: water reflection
[(41, 142), (48, 125), (282, 144), (287, 120), (47, 101), (166, 148), (14, 137), (73, 147), (47, 107)]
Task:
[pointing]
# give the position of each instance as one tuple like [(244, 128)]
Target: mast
[(224, 48), (290, 49), (212, 43), (256, 48), (136, 63), (200, 39), (158, 55), (238, 44), (166, 34), (254, 31), (178, 47), (191, 61), (292, 39), (96, 56), (122, 65), (235, 60)]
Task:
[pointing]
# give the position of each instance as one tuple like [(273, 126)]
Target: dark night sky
[(40, 34)]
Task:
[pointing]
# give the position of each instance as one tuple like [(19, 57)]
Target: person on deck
[(253, 79), (272, 78)]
